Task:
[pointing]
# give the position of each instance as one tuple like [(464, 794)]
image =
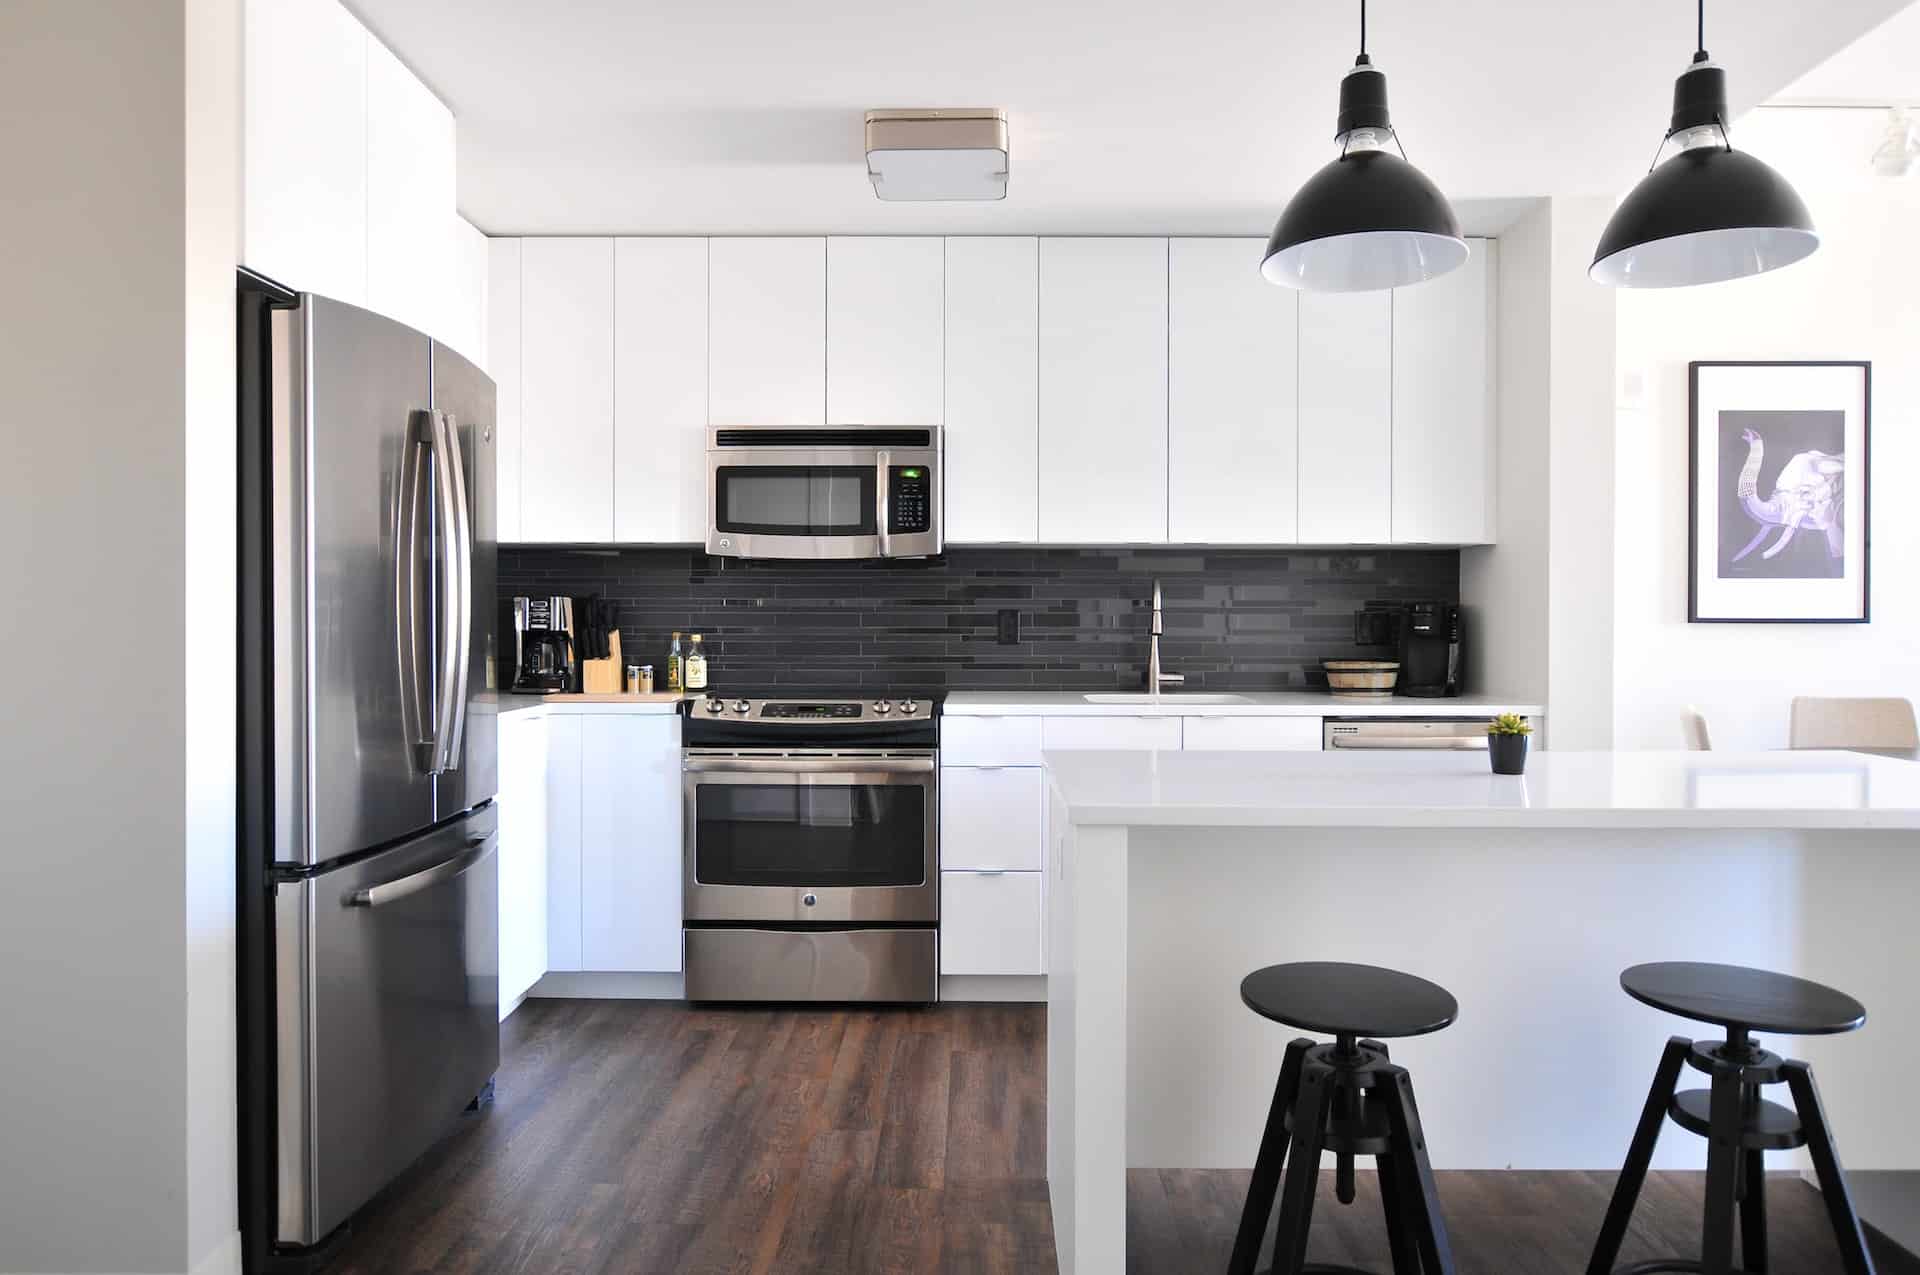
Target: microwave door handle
[(883, 470)]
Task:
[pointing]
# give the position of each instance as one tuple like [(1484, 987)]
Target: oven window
[(810, 835), (796, 500)]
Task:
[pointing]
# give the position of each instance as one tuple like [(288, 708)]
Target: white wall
[(118, 122), (1539, 626), (1858, 297)]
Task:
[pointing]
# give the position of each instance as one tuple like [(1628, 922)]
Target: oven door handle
[(809, 765)]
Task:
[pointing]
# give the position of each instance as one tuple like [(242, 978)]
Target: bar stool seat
[(1336, 999), (1739, 1125), (1737, 996), (1347, 1098)]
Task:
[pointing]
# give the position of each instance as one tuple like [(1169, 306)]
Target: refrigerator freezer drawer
[(387, 992)]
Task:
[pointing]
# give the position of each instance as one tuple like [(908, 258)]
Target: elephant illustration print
[(1782, 495)]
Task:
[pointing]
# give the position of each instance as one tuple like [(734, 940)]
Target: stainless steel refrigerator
[(368, 880)]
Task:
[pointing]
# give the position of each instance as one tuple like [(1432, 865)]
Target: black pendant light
[(1709, 212), (1369, 219)]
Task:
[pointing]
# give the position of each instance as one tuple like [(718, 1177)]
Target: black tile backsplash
[(1236, 619)]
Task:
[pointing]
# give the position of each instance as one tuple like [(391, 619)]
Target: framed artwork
[(1777, 493)]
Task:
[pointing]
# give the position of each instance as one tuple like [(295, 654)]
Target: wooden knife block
[(604, 677)]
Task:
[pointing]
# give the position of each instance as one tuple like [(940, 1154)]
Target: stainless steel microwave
[(831, 491)]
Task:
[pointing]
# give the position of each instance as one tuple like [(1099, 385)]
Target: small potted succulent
[(1507, 743)]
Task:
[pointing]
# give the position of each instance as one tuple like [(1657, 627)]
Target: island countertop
[(1778, 790)]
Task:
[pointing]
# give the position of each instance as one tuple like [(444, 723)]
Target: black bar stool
[(1739, 1125), (1347, 1098)]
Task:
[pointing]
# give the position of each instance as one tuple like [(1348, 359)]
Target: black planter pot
[(1508, 754)]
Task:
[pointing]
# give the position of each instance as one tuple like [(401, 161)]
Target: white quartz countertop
[(1786, 790), (1247, 704)]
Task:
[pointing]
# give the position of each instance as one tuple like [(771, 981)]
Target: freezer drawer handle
[(477, 849)]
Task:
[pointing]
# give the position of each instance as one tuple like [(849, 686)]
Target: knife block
[(603, 677)]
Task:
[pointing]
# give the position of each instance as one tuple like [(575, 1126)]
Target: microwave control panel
[(909, 499)]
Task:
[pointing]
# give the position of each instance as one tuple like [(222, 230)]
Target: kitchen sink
[(1165, 697)]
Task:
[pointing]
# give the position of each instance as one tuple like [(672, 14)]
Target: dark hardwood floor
[(641, 1137)]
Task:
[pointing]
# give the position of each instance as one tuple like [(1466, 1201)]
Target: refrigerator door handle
[(447, 607), (457, 629), (413, 625), (477, 849)]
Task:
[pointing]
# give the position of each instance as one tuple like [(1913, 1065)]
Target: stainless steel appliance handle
[(413, 883), (457, 628), (1384, 743), (883, 470), (413, 628), (810, 765), (447, 606)]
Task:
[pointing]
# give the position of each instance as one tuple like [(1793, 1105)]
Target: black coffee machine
[(545, 659), (1428, 635)]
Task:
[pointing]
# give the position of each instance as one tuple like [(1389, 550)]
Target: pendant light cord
[(1363, 28), (1700, 42)]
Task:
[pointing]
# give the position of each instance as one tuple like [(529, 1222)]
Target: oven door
[(828, 502), (796, 836)]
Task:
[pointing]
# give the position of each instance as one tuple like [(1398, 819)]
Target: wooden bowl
[(1362, 678)]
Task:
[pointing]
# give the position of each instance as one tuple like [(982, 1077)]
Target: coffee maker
[(1428, 635), (545, 659)]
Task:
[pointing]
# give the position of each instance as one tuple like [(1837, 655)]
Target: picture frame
[(1778, 465)]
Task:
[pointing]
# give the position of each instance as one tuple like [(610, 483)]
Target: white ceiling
[(636, 116), (1881, 68)]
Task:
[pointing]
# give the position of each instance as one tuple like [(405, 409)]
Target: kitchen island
[(1174, 874)]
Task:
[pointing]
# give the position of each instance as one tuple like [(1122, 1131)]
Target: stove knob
[(907, 706), (715, 704), (740, 706), (882, 706)]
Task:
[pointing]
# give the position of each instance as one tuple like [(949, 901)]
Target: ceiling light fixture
[(1369, 219), (1708, 212), (943, 154)]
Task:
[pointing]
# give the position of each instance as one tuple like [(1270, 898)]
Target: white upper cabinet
[(464, 316), (992, 390), (566, 391), (884, 320), (306, 147), (410, 217), (1103, 391), (503, 365), (1443, 415), (1346, 417), (767, 332), (660, 390), (1232, 405)]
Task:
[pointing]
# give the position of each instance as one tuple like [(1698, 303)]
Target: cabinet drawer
[(1292, 734), (1111, 732), (991, 818), (990, 923), (990, 741)]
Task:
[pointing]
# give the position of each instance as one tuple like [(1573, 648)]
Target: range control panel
[(909, 499)]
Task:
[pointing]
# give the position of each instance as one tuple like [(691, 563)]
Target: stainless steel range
[(812, 849)]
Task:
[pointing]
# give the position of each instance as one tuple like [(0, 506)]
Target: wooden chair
[(1852, 723), (1693, 729)]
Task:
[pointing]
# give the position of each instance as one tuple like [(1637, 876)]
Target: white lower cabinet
[(630, 912), (990, 922), (1162, 733), (613, 842), (522, 855), (1272, 734), (990, 818)]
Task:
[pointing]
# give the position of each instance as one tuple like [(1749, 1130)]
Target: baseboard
[(593, 985), (994, 987), (506, 1010)]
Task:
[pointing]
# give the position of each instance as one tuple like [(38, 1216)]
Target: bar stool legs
[(1348, 1098), (1740, 1127)]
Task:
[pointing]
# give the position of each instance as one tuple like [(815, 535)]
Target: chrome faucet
[(1156, 678)]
